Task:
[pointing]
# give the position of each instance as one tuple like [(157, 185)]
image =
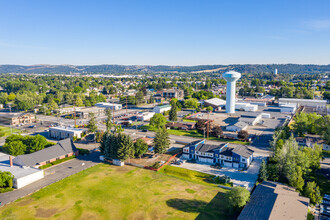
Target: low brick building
[(64, 148)]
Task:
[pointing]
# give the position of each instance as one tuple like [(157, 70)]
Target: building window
[(243, 160)]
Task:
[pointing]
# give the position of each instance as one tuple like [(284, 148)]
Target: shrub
[(83, 151)]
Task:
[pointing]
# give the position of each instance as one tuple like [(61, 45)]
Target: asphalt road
[(52, 175)]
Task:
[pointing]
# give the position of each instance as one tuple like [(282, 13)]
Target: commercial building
[(161, 108), (288, 108), (145, 116), (246, 107), (272, 200), (263, 101), (64, 132), (215, 103), (22, 175), (84, 112), (172, 93), (303, 102), (17, 118), (112, 106), (64, 148), (237, 157)]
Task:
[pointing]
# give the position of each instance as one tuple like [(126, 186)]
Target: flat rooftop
[(17, 171), (59, 128)]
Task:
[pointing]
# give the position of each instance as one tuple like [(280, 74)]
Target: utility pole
[(75, 121), (208, 124), (113, 112)]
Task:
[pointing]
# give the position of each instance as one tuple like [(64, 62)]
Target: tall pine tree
[(173, 116), (161, 141), (263, 175)]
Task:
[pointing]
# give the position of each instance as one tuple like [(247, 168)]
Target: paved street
[(52, 175)]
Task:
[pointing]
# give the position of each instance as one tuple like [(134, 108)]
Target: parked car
[(144, 130), (32, 126)]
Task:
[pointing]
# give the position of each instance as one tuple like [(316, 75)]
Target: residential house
[(272, 200), (237, 157), (64, 148), (173, 93), (180, 126)]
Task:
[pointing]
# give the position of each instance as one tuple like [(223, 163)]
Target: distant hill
[(120, 69)]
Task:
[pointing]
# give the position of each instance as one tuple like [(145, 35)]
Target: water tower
[(231, 78)]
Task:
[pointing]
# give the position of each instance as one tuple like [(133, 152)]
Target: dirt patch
[(24, 202), (45, 213)]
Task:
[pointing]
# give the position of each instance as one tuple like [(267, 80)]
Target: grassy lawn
[(188, 120), (191, 175), (109, 192), (5, 131)]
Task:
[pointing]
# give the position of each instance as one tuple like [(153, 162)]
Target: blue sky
[(169, 32)]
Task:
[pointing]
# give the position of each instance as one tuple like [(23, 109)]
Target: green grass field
[(5, 131), (109, 192)]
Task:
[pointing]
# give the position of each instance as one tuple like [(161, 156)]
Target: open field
[(109, 192), (5, 131)]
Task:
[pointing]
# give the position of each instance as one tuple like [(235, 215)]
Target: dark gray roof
[(271, 200), (227, 151), (208, 147), (63, 147), (240, 150), (243, 151), (241, 124)]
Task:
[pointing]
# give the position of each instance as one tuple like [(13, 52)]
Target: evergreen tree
[(296, 180), (140, 147), (161, 141), (263, 175), (312, 191), (92, 127), (108, 121), (173, 115)]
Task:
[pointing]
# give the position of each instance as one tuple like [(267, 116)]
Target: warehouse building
[(145, 116), (303, 102), (161, 108), (288, 108), (22, 175), (246, 107), (215, 103), (112, 106)]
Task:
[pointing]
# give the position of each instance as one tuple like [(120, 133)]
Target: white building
[(246, 107), (288, 108), (109, 105), (64, 132), (22, 175), (238, 126), (145, 116), (303, 102), (161, 108)]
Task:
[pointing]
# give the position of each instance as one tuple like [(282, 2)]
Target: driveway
[(246, 178), (52, 175)]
